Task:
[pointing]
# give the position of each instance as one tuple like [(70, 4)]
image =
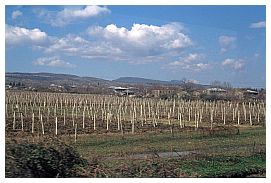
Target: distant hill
[(73, 83), (56, 82), (144, 81), (136, 80), (49, 78)]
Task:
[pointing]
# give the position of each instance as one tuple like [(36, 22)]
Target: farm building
[(215, 91), (122, 91)]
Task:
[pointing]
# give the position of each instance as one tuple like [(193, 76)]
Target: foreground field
[(188, 153), (112, 136), (199, 155)]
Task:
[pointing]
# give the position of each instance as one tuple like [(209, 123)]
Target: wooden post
[(195, 116), (224, 120), (94, 122), (168, 117), (56, 125), (6, 110), (198, 116), (233, 114), (75, 133), (133, 127), (118, 120), (48, 114), (14, 120), (84, 119), (22, 121), (238, 118), (250, 120), (33, 122), (258, 116), (107, 121), (72, 116), (180, 118), (245, 112), (64, 117), (212, 118), (42, 126), (189, 114)]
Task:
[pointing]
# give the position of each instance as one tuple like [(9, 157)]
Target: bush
[(45, 159)]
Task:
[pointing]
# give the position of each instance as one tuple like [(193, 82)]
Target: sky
[(199, 43)]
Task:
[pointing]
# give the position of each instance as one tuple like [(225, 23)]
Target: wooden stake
[(84, 119), (56, 125), (75, 133), (64, 117), (42, 126), (22, 121), (238, 118), (250, 119), (94, 122), (33, 122), (14, 120)]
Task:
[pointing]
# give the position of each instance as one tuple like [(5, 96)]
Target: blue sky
[(199, 43)]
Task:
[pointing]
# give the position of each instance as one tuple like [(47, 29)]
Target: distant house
[(123, 91), (251, 93), (215, 91)]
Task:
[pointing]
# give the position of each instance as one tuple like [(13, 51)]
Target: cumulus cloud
[(142, 39), (258, 25), (184, 66), (144, 36), (71, 14), (233, 63), (18, 35), (193, 61), (52, 62), (140, 44), (226, 43), (16, 14), (78, 46)]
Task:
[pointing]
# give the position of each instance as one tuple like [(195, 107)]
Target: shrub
[(45, 159)]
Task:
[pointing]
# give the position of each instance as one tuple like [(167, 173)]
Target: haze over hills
[(67, 79), (137, 80)]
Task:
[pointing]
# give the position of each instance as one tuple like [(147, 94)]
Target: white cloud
[(233, 63), (142, 39), (52, 62), (167, 36), (16, 14), (193, 57), (226, 43), (193, 61), (258, 25), (19, 35), (194, 67), (138, 45), (71, 14), (78, 46), (141, 44)]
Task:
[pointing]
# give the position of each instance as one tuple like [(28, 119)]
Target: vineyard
[(123, 128), (58, 114)]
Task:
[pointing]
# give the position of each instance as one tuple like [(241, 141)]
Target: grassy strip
[(225, 166), (114, 144)]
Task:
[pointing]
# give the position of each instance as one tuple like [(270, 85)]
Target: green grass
[(224, 166), (236, 155), (250, 139), (218, 156)]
